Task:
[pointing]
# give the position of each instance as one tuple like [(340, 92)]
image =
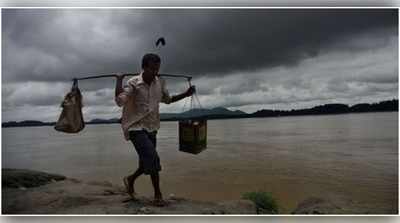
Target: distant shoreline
[(222, 118), (328, 109)]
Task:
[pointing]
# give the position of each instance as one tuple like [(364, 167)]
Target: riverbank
[(33, 192)]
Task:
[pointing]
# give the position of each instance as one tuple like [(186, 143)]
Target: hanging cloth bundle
[(193, 130), (71, 118)]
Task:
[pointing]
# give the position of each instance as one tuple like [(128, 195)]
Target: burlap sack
[(71, 118)]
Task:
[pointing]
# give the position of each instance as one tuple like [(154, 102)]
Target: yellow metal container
[(192, 135)]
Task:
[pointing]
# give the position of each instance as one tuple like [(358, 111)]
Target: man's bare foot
[(129, 188), (159, 201)]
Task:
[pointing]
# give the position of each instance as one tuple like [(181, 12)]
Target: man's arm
[(122, 94), (188, 93), (118, 87)]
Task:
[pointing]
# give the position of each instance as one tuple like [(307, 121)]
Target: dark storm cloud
[(254, 39), (53, 45)]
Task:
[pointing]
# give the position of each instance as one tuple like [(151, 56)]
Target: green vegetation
[(264, 202)]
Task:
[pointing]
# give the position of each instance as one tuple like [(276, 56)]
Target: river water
[(353, 157)]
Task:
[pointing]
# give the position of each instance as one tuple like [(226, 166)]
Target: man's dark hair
[(150, 57)]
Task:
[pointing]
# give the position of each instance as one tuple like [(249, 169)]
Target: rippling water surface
[(353, 157)]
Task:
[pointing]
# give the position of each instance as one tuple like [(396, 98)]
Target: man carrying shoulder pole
[(141, 119)]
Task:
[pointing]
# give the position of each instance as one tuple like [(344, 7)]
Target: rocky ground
[(33, 192)]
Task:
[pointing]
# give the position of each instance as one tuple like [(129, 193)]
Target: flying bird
[(160, 40)]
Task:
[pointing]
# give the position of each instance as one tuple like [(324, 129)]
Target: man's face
[(152, 68)]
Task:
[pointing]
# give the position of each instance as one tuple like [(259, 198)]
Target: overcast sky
[(240, 59)]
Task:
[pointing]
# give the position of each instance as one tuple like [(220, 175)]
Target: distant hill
[(200, 112), (215, 111), (224, 113)]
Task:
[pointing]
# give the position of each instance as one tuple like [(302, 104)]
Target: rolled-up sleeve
[(124, 96), (166, 98)]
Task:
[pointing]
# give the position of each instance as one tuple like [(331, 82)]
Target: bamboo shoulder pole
[(131, 74)]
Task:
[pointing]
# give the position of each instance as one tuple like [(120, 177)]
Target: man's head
[(151, 63)]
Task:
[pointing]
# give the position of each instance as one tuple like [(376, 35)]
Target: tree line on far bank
[(391, 105)]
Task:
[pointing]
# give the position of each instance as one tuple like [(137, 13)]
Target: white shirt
[(140, 104)]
